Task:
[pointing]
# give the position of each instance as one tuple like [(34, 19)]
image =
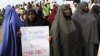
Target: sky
[(4, 3)]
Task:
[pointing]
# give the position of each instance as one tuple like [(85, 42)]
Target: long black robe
[(95, 12)]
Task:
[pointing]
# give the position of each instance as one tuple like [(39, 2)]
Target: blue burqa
[(11, 25)]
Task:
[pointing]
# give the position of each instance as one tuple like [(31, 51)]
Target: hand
[(19, 33), (50, 38)]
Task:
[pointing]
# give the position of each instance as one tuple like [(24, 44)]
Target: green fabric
[(46, 10), (1, 19), (65, 41)]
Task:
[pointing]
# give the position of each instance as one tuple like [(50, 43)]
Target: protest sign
[(35, 41)]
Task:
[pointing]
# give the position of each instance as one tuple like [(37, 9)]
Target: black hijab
[(95, 12), (36, 21), (96, 9)]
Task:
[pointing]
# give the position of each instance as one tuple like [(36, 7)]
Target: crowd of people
[(73, 31)]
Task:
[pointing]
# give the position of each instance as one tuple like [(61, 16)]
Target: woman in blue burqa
[(66, 40), (11, 25)]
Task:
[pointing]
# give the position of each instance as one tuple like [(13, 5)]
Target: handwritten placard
[(35, 41)]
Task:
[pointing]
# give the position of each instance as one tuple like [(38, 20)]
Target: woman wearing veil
[(95, 12), (88, 28), (11, 25), (65, 40), (32, 19)]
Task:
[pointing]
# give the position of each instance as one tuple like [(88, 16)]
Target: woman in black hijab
[(32, 19), (95, 12)]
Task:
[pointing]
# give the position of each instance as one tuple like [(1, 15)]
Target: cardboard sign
[(35, 41)]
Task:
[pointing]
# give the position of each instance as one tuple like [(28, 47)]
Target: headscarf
[(95, 9), (27, 21), (60, 21), (79, 11), (11, 25), (36, 22)]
